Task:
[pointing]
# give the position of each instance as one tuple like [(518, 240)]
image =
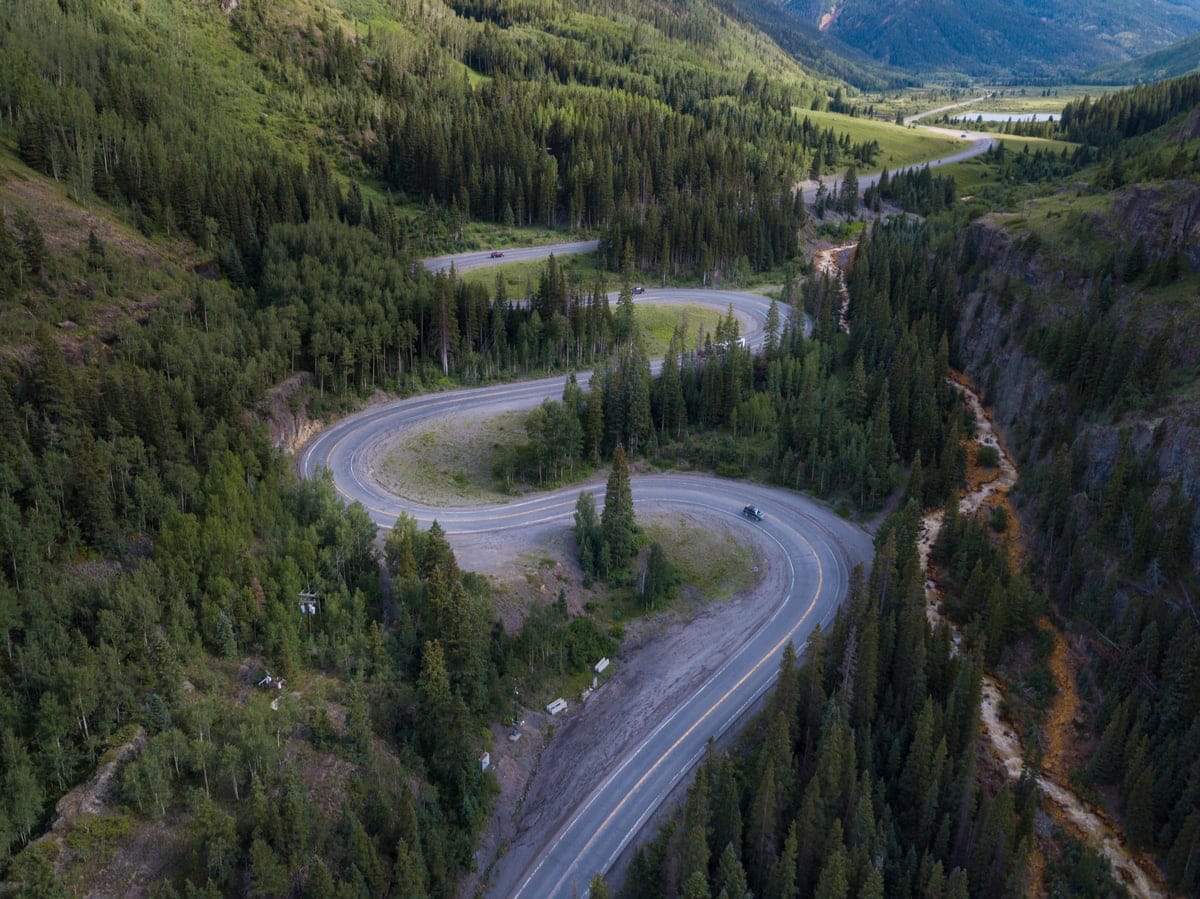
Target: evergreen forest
[(215, 213)]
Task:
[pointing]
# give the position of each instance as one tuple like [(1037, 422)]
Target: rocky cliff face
[(284, 411), (1167, 215), (1025, 398)]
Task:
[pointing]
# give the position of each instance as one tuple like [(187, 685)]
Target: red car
[(496, 254)]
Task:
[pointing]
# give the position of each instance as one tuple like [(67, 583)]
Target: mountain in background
[(1022, 39), (820, 53), (1181, 58)]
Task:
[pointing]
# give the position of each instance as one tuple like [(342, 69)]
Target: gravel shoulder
[(664, 658)]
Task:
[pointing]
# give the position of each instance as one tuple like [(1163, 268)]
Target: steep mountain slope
[(1079, 315), (1001, 37), (1180, 58), (820, 52)]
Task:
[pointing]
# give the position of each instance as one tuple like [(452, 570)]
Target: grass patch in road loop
[(712, 564), (450, 462)]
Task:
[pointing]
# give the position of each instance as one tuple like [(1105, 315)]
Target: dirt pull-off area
[(448, 461)]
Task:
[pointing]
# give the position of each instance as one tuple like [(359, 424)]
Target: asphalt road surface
[(480, 258), (815, 552), (812, 550), (979, 143)]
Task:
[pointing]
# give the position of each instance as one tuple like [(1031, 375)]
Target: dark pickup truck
[(753, 512)]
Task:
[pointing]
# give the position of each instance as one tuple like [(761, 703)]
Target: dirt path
[(1091, 824)]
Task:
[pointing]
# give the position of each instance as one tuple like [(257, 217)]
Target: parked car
[(496, 254), (639, 289), (753, 512)]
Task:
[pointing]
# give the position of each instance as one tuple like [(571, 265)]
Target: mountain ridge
[(998, 38), (1180, 58)]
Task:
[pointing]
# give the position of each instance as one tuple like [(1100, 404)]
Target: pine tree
[(771, 330), (11, 277), (594, 429), (437, 556), (782, 882), (659, 578), (1139, 811), (32, 245), (588, 536), (726, 824), (268, 876), (158, 716), (224, 638), (914, 779), (763, 826), (849, 192), (834, 882), (1183, 861), (598, 888), (399, 548), (616, 521), (873, 886), (731, 877), (672, 407), (320, 881)]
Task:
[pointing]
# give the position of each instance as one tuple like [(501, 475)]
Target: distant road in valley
[(980, 143), (481, 258), (913, 119)]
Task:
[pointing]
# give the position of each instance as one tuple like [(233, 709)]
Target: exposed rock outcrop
[(285, 413), (1025, 289)]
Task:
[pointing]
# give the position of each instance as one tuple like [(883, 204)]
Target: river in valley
[(1001, 740)]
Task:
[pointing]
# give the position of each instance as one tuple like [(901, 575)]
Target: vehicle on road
[(639, 289), (496, 254), (753, 512)]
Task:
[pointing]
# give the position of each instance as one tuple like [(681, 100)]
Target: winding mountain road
[(626, 770), (808, 550), (809, 553)]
